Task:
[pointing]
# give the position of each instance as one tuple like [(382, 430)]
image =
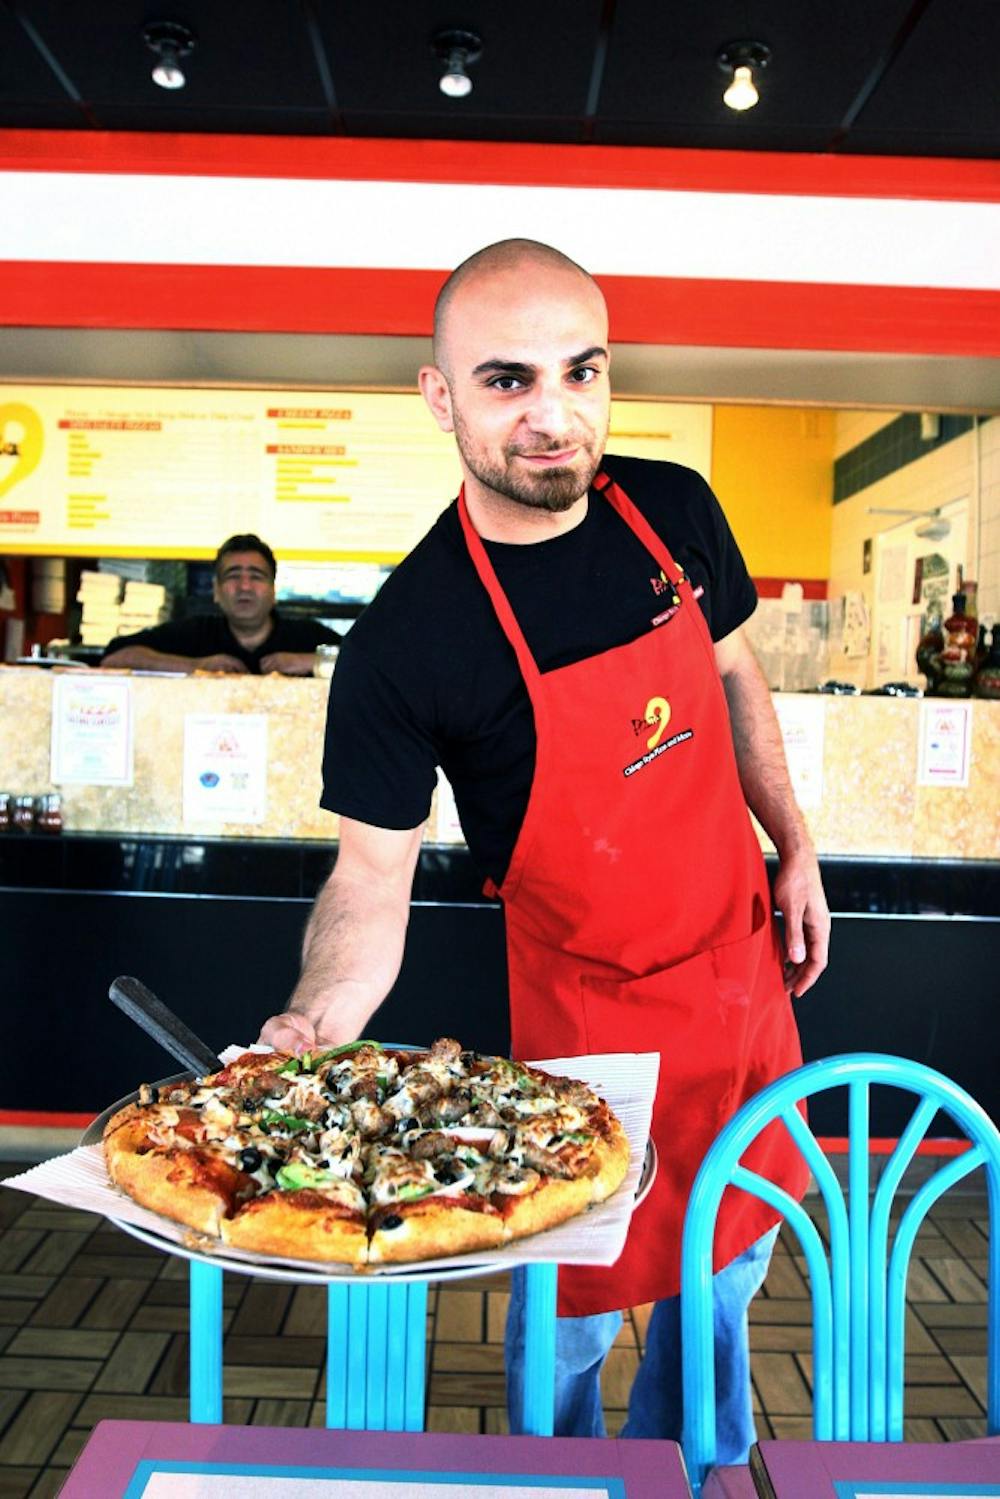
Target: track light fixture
[(170, 41), (741, 60), (456, 49)]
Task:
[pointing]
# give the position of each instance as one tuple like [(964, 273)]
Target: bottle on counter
[(48, 813), (958, 657), (929, 649), (5, 811), (987, 682), (23, 816)]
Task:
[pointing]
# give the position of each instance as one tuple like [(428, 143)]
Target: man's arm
[(144, 658), (760, 757), (353, 945), (289, 663)]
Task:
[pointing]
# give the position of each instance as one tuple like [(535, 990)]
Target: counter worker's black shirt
[(210, 635), (426, 676)]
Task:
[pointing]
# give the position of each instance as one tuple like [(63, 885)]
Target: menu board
[(321, 476)]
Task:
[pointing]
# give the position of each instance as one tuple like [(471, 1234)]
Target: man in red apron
[(637, 907)]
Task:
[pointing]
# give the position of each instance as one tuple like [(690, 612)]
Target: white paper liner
[(627, 1080)]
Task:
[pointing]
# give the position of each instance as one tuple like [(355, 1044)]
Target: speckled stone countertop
[(869, 806)]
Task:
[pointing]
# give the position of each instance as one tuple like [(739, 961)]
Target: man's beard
[(552, 489)]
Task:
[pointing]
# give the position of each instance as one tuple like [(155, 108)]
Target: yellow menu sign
[(322, 476)]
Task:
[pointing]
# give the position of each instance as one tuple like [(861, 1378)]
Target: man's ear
[(434, 389)]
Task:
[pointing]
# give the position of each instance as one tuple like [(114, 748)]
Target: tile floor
[(92, 1324)]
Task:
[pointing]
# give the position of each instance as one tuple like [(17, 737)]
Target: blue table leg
[(539, 1349), (206, 1343)]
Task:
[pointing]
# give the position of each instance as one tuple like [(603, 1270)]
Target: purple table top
[(830, 1470), (122, 1456)]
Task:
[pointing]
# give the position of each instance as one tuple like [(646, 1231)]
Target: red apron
[(639, 916)]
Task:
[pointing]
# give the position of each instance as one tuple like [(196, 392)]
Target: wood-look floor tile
[(16, 1245), (56, 1254), (69, 1446), (460, 1316), (495, 1422), (280, 1413), (918, 1339), (455, 1418), (494, 1280), (497, 1303), (951, 1314), (263, 1309), (785, 1310), (17, 1483), (61, 1342), (964, 1236), (113, 1266), (49, 1483), (13, 1205), (962, 1339), (922, 1285), (66, 1302), (962, 1428), (475, 1357), (115, 1241), (10, 1403), (279, 1351), (972, 1368), (941, 1400), (24, 1287), (779, 1337), (791, 1428), (132, 1363), (50, 1215), (13, 1313), (114, 1304), (48, 1373), (780, 1384), (306, 1312), (614, 1420), (958, 1280), (921, 1429), (784, 1279), (38, 1425), (107, 1407), (619, 1371), (280, 1384), (465, 1389)]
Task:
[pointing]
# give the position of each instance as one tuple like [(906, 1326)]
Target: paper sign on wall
[(92, 730), (945, 742), (803, 722), (225, 767)]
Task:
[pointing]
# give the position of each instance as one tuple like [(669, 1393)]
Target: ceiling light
[(170, 41), (456, 50), (741, 60)]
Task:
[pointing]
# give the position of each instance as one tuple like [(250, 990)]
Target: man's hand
[(289, 663), (798, 894), (220, 662)]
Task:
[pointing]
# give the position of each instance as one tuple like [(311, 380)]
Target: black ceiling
[(884, 77)]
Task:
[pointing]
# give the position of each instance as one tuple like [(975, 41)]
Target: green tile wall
[(892, 447)]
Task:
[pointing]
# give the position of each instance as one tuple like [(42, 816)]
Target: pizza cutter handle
[(141, 1005)]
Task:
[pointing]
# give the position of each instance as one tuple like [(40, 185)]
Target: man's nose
[(550, 409)]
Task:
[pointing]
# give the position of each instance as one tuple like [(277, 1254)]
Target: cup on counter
[(48, 813), (326, 660), (22, 817)]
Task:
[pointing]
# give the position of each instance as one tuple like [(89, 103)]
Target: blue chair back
[(859, 1294)]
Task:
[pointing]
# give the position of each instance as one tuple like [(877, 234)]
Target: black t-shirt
[(426, 676), (210, 635)]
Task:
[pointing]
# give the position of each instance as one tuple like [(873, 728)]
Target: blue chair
[(376, 1351), (859, 1295)]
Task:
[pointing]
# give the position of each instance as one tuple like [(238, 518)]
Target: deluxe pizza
[(368, 1155)]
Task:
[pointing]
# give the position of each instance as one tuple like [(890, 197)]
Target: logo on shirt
[(661, 584)]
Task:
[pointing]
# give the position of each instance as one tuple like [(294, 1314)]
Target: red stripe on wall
[(770, 588), (501, 162), (644, 310), (43, 1119)]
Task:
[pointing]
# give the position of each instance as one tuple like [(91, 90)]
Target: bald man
[(566, 644)]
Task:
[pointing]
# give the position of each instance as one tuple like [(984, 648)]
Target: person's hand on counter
[(221, 662), (289, 663)]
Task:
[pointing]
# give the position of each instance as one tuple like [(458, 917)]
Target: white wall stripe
[(431, 226)]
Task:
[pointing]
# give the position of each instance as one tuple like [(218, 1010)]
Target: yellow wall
[(772, 469)]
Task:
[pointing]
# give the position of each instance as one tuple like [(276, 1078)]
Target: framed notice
[(225, 767), (944, 744), (91, 730)]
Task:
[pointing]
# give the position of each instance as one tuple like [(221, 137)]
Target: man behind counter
[(246, 636)]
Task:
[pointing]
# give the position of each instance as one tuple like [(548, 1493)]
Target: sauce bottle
[(958, 658)]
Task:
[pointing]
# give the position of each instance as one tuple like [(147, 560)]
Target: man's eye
[(584, 375), (506, 382)]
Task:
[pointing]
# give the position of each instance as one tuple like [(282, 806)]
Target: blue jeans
[(656, 1406)]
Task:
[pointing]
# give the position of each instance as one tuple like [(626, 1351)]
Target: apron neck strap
[(490, 581), (636, 521)]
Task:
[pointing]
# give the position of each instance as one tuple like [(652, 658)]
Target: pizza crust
[(431, 1229), (299, 1225)]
